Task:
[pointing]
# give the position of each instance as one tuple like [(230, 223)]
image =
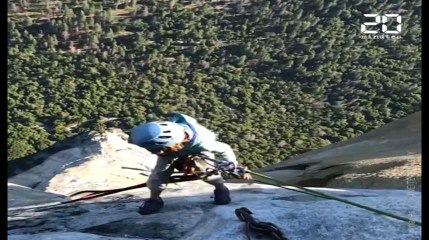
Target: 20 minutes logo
[(384, 20)]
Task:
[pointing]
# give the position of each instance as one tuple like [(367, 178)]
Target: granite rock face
[(107, 161), (387, 157), (104, 161), (189, 213)]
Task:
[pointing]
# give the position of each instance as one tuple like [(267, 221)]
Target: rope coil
[(267, 228)]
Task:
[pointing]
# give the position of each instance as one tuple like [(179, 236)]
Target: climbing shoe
[(151, 206), (221, 196)]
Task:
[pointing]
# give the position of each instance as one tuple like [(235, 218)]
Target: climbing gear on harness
[(150, 206), (267, 228), (226, 169), (185, 163), (221, 196), (315, 193), (226, 166)]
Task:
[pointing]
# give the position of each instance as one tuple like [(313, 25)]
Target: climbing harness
[(267, 228)]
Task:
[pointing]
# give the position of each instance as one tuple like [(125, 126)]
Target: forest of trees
[(272, 78)]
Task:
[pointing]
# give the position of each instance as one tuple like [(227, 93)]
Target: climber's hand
[(247, 176)]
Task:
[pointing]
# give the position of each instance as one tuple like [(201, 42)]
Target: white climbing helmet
[(155, 135)]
